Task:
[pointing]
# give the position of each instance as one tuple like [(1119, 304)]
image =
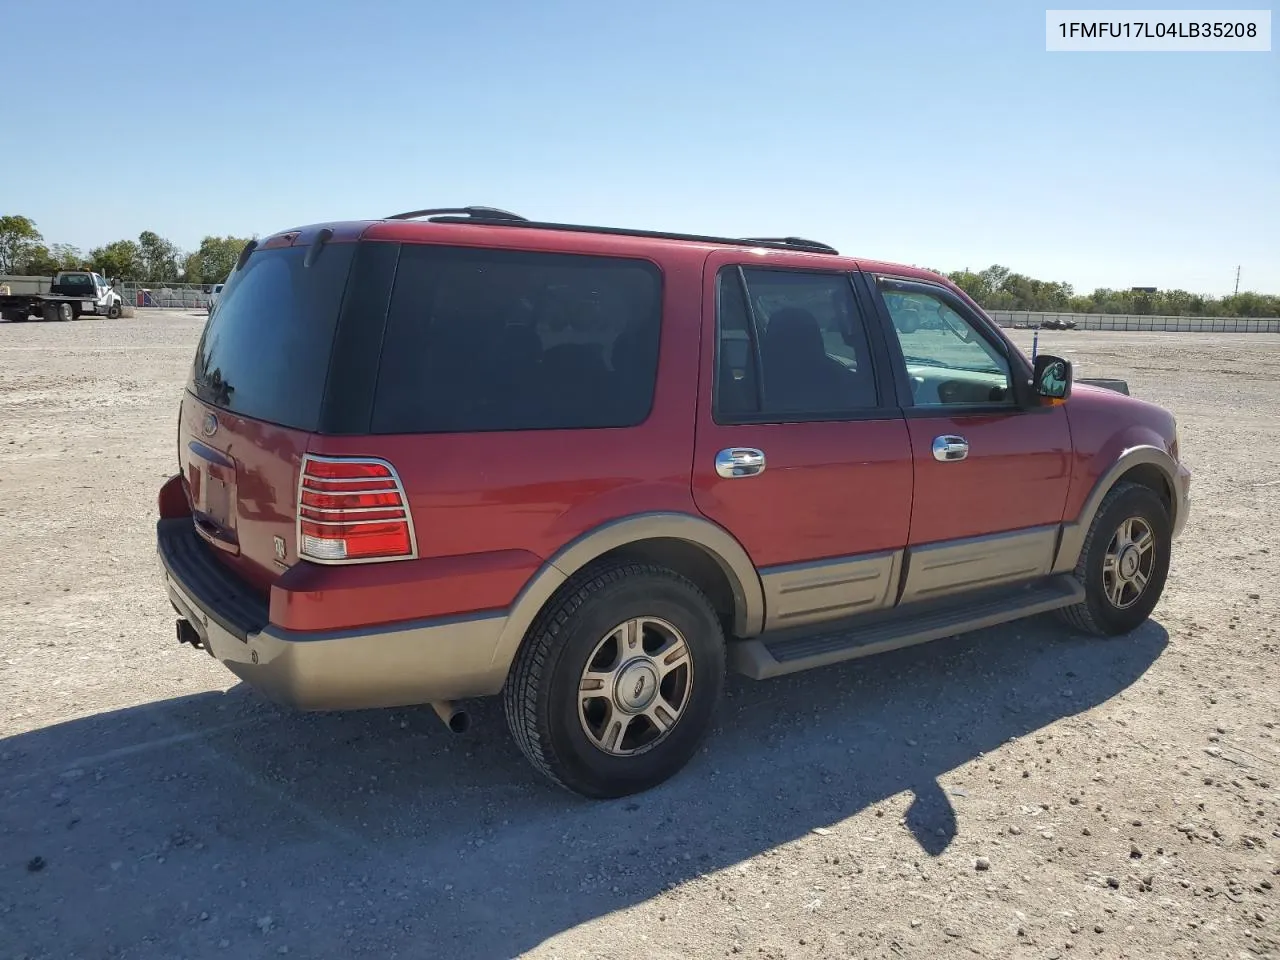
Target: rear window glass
[(506, 340), (75, 280), (265, 349)]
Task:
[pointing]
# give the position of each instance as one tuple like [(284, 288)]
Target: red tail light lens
[(353, 510)]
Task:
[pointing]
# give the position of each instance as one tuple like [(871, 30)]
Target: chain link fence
[(1135, 323)]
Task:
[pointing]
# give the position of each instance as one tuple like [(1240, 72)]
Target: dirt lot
[(1017, 793)]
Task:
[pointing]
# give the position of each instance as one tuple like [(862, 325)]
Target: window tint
[(265, 350), (737, 387), (948, 359), (509, 340), (794, 346)]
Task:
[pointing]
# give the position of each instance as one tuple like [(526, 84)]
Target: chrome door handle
[(950, 448), (739, 462)]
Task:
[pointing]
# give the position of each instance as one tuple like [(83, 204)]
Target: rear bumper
[(388, 665)]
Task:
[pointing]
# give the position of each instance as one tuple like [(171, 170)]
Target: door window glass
[(948, 360), (791, 346)]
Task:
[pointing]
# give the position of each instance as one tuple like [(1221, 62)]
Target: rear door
[(991, 473), (802, 452), (254, 398)]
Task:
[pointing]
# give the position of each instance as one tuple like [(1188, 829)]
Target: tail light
[(353, 510)]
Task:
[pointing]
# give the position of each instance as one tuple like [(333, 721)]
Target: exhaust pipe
[(454, 717), (187, 634)]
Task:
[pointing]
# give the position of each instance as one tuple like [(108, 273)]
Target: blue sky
[(935, 133)]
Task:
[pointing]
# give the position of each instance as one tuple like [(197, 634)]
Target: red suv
[(456, 453)]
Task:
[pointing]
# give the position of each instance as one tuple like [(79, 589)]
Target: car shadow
[(217, 822)]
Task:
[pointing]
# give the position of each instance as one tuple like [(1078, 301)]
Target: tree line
[(153, 259), (999, 288), (149, 259)]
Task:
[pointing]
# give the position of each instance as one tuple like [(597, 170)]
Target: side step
[(772, 655)]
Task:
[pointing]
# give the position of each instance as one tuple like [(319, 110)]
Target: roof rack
[(815, 246), (473, 213), (489, 216)]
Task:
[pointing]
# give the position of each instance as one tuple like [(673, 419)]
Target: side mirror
[(1051, 377)]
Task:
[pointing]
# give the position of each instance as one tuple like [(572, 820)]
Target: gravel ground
[(1020, 792)]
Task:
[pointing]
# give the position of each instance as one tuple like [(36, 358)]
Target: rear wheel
[(618, 680), (58, 311), (1124, 562)]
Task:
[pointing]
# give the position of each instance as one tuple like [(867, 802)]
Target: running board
[(774, 655)]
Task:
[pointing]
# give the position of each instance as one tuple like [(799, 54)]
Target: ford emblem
[(210, 424)]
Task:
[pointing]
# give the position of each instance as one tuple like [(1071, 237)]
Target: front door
[(802, 452), (991, 473), (102, 290)]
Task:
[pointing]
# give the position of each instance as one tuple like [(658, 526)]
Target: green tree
[(18, 235), (999, 288), (42, 261), (214, 260), (1246, 303), (122, 259), (974, 284), (37, 261), (67, 256), (159, 258)]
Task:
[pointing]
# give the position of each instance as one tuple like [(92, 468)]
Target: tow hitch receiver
[(187, 634)]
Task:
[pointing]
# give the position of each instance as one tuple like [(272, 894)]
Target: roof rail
[(476, 213), (799, 242), (481, 215)]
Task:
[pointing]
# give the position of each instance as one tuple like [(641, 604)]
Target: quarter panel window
[(482, 340)]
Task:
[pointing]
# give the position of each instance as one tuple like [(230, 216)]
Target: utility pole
[(1237, 282)]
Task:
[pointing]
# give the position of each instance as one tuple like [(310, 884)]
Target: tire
[(563, 733), (113, 312), (1143, 511), (58, 311)]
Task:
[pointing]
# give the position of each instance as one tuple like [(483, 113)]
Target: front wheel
[(1124, 562), (618, 680), (113, 312)]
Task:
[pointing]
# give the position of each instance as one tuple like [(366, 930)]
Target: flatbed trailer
[(72, 294)]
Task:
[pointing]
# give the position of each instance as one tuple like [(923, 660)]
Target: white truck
[(214, 294), (72, 294)]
